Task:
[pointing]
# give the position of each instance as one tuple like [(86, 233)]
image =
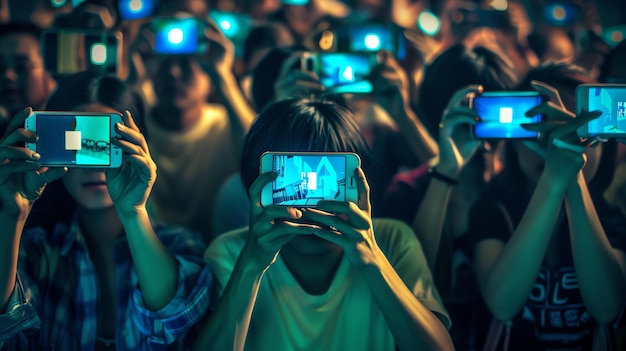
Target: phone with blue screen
[(502, 114), (75, 139), (560, 13), (342, 73), (235, 26), (610, 99), (179, 35), (374, 37), (136, 9)]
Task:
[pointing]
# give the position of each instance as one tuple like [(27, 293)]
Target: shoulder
[(397, 240), (227, 245)]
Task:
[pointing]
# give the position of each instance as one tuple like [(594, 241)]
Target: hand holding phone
[(305, 178), (502, 114), (22, 178), (610, 99), (75, 139)]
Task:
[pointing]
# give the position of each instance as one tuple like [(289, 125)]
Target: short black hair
[(299, 125), (455, 68), (20, 28)]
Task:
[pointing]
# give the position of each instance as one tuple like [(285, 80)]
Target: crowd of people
[(455, 241)]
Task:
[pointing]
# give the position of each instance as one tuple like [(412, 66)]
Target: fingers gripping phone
[(305, 178), (75, 139), (503, 112), (610, 99)]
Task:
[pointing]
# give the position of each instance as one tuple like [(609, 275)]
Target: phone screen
[(502, 114), (372, 38), (304, 180), (71, 51), (345, 72), (74, 139), (136, 9), (612, 102), (177, 36)]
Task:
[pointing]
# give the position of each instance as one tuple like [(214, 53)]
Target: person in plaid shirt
[(107, 280)]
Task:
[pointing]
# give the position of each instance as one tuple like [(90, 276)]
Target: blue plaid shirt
[(54, 304)]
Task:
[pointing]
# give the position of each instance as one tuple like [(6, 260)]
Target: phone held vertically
[(610, 99), (502, 114), (179, 35), (305, 178), (68, 51), (75, 139)]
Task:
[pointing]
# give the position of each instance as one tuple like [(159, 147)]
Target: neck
[(314, 272), (101, 228), (175, 119)]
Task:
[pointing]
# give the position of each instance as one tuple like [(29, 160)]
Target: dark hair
[(296, 125), (20, 28), (455, 68), (266, 35), (265, 74), (615, 57), (73, 91)]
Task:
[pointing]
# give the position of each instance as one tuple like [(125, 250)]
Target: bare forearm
[(429, 220), (9, 252), (239, 110), (413, 326), (509, 281), (598, 269), (157, 269), (421, 142), (227, 325)]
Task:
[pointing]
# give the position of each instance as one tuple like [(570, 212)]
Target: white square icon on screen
[(73, 140), (506, 115)]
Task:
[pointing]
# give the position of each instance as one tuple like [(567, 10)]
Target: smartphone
[(611, 100), (373, 37), (503, 112), (136, 9), (342, 73), (295, 2), (235, 26), (179, 36), (560, 13), (68, 51), (75, 139), (305, 178)]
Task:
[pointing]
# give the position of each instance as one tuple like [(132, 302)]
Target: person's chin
[(311, 245)]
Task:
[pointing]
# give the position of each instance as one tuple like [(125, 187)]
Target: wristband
[(442, 177)]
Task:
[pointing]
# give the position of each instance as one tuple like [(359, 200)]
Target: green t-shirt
[(345, 317)]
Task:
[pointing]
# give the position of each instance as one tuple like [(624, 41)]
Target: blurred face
[(178, 81), (23, 81), (88, 185)]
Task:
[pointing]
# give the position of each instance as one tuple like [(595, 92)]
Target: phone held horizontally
[(305, 178), (75, 139), (502, 114), (610, 99)]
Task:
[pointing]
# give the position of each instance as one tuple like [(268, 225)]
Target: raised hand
[(350, 224), (22, 178), (270, 226), (294, 82), (130, 185), (456, 144)]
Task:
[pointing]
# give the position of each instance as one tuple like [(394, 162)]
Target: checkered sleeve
[(188, 305)]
